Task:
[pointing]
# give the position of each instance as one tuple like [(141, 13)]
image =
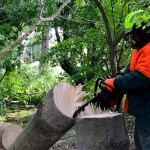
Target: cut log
[(8, 134), (102, 132), (52, 119)]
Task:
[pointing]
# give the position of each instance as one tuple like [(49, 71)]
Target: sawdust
[(102, 115)]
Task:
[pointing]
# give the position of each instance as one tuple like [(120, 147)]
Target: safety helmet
[(135, 20)]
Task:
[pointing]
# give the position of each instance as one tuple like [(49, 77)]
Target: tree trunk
[(45, 39), (51, 121), (8, 134), (102, 132), (113, 61)]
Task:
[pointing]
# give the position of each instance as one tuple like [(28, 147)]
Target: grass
[(20, 117)]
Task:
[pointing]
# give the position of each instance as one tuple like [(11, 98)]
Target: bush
[(27, 84)]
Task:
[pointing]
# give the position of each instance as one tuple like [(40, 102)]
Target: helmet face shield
[(128, 30)]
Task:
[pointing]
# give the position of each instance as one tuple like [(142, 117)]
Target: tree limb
[(56, 13), (109, 37), (105, 18), (42, 8), (6, 70), (118, 38)]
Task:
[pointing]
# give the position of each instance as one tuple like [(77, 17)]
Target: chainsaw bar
[(98, 97), (81, 108)]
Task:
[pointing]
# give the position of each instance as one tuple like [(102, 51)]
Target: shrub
[(27, 84)]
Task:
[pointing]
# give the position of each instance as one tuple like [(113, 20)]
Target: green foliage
[(14, 16), (2, 106), (27, 84), (83, 50), (51, 6), (83, 55), (84, 47), (10, 61), (17, 116)]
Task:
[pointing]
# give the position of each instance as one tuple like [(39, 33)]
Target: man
[(136, 81)]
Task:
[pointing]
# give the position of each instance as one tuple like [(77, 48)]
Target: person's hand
[(106, 99), (110, 84)]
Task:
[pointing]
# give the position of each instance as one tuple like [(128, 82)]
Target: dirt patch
[(67, 142)]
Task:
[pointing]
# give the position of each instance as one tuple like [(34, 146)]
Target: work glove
[(110, 84), (110, 98), (107, 98)]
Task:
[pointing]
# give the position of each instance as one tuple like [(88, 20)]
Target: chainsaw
[(105, 99)]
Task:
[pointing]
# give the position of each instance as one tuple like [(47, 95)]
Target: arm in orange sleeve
[(143, 62)]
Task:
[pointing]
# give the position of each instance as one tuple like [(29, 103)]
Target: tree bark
[(45, 39), (51, 121), (8, 134), (102, 132)]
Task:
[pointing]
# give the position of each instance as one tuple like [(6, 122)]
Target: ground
[(22, 117), (68, 141)]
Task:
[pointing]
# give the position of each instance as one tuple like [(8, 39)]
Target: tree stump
[(52, 119), (8, 134), (105, 131)]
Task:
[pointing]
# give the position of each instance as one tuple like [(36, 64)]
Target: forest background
[(81, 42)]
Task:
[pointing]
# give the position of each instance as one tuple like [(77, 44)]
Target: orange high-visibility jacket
[(137, 82)]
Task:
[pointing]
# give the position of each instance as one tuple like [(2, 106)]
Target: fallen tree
[(8, 134), (95, 129), (52, 119)]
